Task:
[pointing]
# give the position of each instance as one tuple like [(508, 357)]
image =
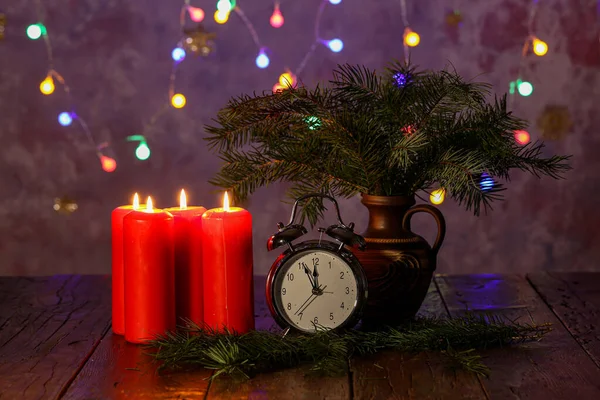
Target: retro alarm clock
[(316, 284)]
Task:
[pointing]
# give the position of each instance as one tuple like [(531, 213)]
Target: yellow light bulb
[(221, 16), (412, 39), (437, 196), (178, 100), (47, 86), (286, 79), (539, 47)]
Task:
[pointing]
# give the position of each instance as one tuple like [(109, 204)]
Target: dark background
[(115, 55)]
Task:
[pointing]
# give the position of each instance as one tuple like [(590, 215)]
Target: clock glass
[(315, 289)]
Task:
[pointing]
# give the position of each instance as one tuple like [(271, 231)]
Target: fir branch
[(327, 352)]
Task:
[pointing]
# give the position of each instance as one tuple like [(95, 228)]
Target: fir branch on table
[(328, 352), (365, 133)]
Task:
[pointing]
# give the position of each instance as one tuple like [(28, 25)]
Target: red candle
[(118, 288), (227, 272), (149, 273), (189, 299)]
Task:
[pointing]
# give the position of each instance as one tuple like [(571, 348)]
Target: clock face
[(315, 289)]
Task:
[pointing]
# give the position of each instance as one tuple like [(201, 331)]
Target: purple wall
[(115, 56)]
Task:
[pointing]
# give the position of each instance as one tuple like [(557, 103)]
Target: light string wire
[(533, 8), (41, 16), (404, 16)]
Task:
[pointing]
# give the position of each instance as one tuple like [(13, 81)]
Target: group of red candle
[(180, 264)]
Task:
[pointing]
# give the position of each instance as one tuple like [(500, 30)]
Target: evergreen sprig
[(396, 133), (328, 352)]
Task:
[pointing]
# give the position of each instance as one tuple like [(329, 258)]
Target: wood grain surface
[(554, 368)]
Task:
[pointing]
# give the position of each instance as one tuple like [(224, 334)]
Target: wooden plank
[(51, 332), (394, 375), (554, 368), (122, 370), (575, 300)]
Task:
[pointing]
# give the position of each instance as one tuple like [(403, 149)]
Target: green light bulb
[(35, 31), (525, 88), (143, 151)]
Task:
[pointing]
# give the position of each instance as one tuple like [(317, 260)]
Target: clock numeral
[(315, 261), (302, 266), (300, 315), (284, 291), (316, 320), (342, 306), (290, 276), (347, 290), (342, 275), (331, 316), (289, 306)]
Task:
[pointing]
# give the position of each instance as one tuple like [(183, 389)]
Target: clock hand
[(307, 300), (316, 277), (310, 278), (307, 303)]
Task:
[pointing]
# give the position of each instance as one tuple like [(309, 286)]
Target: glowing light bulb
[(65, 118), (335, 2), (182, 200), (335, 45), (221, 17), (540, 47), (224, 6), (47, 85), (196, 14), (313, 122), (524, 88), (400, 79), (522, 137), (276, 19), (136, 202), (35, 31), (142, 152), (178, 100), (149, 205), (286, 79), (262, 60), (437, 196), (486, 182), (277, 88), (108, 164), (178, 54), (411, 38), (226, 202)]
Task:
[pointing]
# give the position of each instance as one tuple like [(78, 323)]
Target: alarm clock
[(316, 285)]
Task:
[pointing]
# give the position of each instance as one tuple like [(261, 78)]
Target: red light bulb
[(196, 14), (277, 18), (108, 164), (522, 137)]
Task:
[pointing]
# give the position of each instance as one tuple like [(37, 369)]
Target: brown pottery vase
[(398, 264)]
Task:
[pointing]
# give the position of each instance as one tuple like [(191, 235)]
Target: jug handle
[(436, 214)]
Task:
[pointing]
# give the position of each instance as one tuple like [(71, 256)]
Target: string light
[(178, 54), (411, 38), (142, 152), (196, 14), (522, 137), (221, 17), (335, 45), (262, 60), (178, 100), (437, 197), (287, 79), (524, 88), (486, 183), (335, 2), (313, 122), (35, 31), (108, 164), (47, 86), (224, 6), (65, 118), (540, 47), (276, 19)]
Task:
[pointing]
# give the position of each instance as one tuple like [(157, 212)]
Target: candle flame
[(225, 202), (149, 206), (136, 201), (182, 200)]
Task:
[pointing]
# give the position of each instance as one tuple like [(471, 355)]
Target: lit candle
[(189, 302), (118, 288), (227, 272), (149, 273)]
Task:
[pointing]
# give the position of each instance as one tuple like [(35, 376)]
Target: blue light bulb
[(65, 118), (400, 79), (486, 183), (334, 2), (335, 45), (178, 54), (262, 60)]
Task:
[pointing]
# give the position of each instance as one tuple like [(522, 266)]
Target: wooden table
[(56, 342)]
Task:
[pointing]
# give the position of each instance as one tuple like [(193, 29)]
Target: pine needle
[(327, 352)]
